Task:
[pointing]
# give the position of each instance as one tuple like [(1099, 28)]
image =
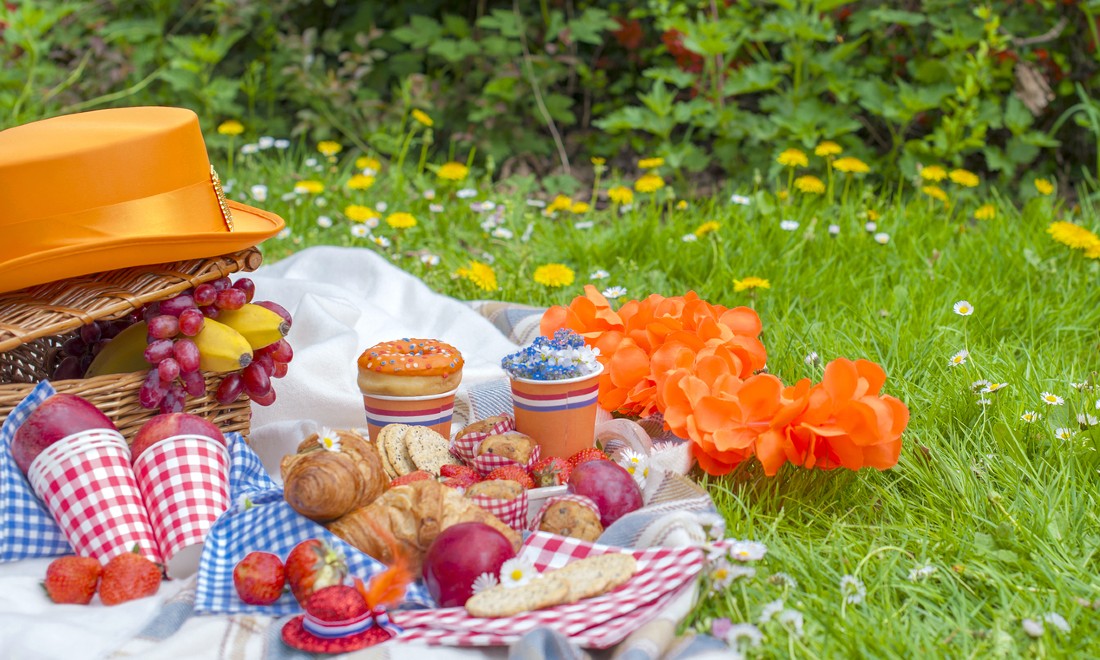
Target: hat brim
[(251, 226), (296, 636)]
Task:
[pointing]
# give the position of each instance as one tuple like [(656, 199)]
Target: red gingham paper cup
[(88, 485), (533, 522), (185, 482), (465, 447), (511, 512)]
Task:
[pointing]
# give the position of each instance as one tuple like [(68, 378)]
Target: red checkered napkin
[(598, 622), (511, 512), (465, 447), (550, 501)]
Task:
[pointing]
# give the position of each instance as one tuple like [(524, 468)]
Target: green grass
[(1005, 512)]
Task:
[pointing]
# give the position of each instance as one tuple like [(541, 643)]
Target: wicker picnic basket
[(36, 321)]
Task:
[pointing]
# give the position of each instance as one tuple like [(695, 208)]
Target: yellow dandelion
[(964, 178), (422, 117), (851, 165), (368, 163), (810, 185), (1093, 251), (360, 182), (310, 186), (231, 127), (597, 160), (793, 158), (648, 183), (985, 212), (401, 220), (935, 192), (554, 275), (1044, 186), (783, 195), (933, 173), (329, 148), (706, 228), (359, 213), (827, 148), (873, 215), (480, 274), (560, 203), (1074, 236), (580, 207), (453, 171), (682, 204), (751, 282), (621, 195), (651, 163)]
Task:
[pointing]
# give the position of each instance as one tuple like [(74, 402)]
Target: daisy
[(834, 230), (791, 620), (747, 550), (381, 207), (1064, 433), (984, 401), (517, 572), (1086, 420), (324, 221), (812, 359), (483, 582), (435, 208), (466, 193), (599, 275), (882, 238), (741, 635), (1051, 399), (740, 200), (979, 385), (1032, 627), (381, 241), (429, 259), (586, 224), (328, 439), (783, 579), (870, 226), (428, 194), (310, 162), (959, 358), (1080, 387), (1098, 404), (770, 610), (503, 232), (281, 143), (258, 192), (990, 388), (963, 308), (614, 292), (536, 203), (482, 207), (1057, 620), (917, 574), (689, 238), (283, 233), (788, 225), (289, 197), (724, 573), (636, 463), (852, 589), (1030, 416)]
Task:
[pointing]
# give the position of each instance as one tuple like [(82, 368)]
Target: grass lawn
[(987, 520)]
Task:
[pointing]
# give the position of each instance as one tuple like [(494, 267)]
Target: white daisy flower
[(1051, 399), (834, 230), (984, 401), (503, 232), (980, 385), (310, 162), (536, 203), (484, 581), (882, 238), (250, 148), (1080, 387), (870, 226), (380, 241), (1064, 433), (435, 208), (917, 574), (599, 275), (783, 579), (428, 194), (614, 292), (381, 207), (1086, 420), (266, 142), (1057, 620), (990, 388), (584, 224), (963, 308), (324, 221), (328, 439), (320, 201), (466, 193), (791, 620), (689, 238), (258, 192), (788, 225), (290, 196), (372, 223), (812, 359), (1030, 416), (722, 573), (282, 144), (517, 572), (624, 208), (770, 610), (429, 259), (959, 358), (368, 171), (283, 233), (743, 635), (1032, 627), (747, 550), (636, 463), (740, 200), (852, 589)]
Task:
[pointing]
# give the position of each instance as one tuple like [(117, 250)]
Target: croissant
[(324, 484), (413, 515)]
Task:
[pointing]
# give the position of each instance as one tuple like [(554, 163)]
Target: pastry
[(513, 444), (483, 426), (569, 518), (498, 489), (412, 515), (410, 367), (325, 482)]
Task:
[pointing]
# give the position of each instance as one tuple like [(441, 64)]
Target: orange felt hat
[(112, 189)]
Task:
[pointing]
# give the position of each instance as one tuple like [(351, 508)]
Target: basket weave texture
[(36, 321)]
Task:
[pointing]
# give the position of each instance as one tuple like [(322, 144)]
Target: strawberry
[(586, 454), (128, 576), (551, 471), (313, 565), (259, 578), (72, 579), (464, 481), (449, 470), (418, 475), (512, 473), (338, 602)]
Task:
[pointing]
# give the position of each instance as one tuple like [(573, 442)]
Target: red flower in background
[(685, 59), (629, 35)]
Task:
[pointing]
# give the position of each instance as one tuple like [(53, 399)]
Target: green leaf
[(421, 32), (501, 20), (1017, 117), (759, 77), (672, 75), (454, 50), (456, 26), (503, 88), (591, 25)]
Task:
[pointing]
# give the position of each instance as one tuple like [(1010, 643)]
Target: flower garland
[(697, 364)]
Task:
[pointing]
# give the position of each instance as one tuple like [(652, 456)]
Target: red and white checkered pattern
[(571, 497), (598, 622), (511, 512), (87, 483), (465, 447), (185, 483)]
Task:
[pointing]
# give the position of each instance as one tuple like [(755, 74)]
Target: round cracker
[(428, 449), (392, 437)]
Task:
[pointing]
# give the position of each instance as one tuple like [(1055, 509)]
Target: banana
[(221, 348), (123, 354), (259, 325)]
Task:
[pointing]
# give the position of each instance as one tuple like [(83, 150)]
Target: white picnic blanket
[(343, 300)]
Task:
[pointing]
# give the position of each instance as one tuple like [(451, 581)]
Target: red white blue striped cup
[(559, 414), (432, 410)]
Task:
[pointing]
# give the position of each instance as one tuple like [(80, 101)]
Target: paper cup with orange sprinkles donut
[(410, 381)]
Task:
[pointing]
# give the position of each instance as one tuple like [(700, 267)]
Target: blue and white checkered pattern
[(29, 530), (260, 519)]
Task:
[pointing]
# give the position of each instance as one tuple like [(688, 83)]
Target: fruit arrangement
[(127, 576), (213, 327)]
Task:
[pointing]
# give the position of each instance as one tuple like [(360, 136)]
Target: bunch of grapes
[(268, 363), (80, 349)]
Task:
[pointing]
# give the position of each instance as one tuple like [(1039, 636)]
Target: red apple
[(609, 485), (170, 424), (57, 417), (458, 556)]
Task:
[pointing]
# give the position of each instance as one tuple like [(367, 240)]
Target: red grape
[(149, 311), (246, 285), (173, 401), (175, 306), (205, 294), (110, 329), (230, 388), (222, 283), (168, 369), (90, 333), (265, 399), (266, 363), (67, 368), (210, 311), (278, 309), (187, 355), (164, 326), (191, 321), (158, 350), (86, 361), (280, 369), (256, 380), (152, 391), (74, 346), (281, 351), (231, 299), (194, 383)]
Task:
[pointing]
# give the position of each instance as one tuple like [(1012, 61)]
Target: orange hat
[(112, 189)]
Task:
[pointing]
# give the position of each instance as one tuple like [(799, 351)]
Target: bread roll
[(323, 484), (514, 445), (410, 367), (413, 515)]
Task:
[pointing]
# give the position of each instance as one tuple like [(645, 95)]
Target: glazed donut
[(410, 367)]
